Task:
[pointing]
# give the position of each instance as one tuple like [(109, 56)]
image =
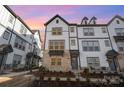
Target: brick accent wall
[(65, 62)]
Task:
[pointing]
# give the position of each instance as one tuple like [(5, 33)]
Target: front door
[(74, 63), (112, 65)]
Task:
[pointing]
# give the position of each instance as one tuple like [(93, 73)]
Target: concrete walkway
[(16, 79), (12, 74)]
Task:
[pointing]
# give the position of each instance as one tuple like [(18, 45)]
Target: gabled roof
[(85, 18), (36, 30), (93, 18), (117, 16), (56, 17)]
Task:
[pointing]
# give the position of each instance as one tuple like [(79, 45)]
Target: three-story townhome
[(116, 32), (56, 55), (94, 43), (97, 47), (16, 39)]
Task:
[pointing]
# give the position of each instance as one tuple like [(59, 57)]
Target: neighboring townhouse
[(56, 54), (37, 45), (16, 39), (75, 47), (116, 32), (94, 43)]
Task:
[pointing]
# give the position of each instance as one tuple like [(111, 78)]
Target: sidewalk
[(16, 79), (12, 74)]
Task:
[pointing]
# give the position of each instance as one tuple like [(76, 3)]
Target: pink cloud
[(36, 22), (103, 20)]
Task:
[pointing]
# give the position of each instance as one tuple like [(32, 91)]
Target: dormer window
[(118, 22), (57, 21)]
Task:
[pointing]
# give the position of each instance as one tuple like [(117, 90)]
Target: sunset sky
[(36, 15)]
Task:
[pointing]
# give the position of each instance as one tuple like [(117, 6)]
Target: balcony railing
[(74, 52), (56, 52), (118, 38)]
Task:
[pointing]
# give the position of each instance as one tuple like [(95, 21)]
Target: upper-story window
[(119, 31), (6, 35), (90, 46), (57, 31), (23, 30), (11, 19), (72, 29), (117, 21), (19, 43), (120, 46), (104, 30), (73, 42), (57, 21), (56, 44), (88, 31), (107, 43)]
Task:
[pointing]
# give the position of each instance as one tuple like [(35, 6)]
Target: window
[(119, 31), (56, 44), (73, 42), (6, 35), (19, 43), (72, 29), (55, 61), (23, 30), (16, 60), (90, 46), (117, 21), (107, 43), (57, 31), (31, 36), (88, 31), (93, 62), (57, 21), (120, 46), (11, 19), (59, 61), (103, 30)]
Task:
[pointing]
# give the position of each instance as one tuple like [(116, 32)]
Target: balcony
[(118, 38), (74, 52), (56, 52)]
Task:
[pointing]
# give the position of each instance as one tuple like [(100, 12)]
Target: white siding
[(4, 24), (97, 32), (111, 29), (100, 54), (73, 34), (64, 36), (76, 44)]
